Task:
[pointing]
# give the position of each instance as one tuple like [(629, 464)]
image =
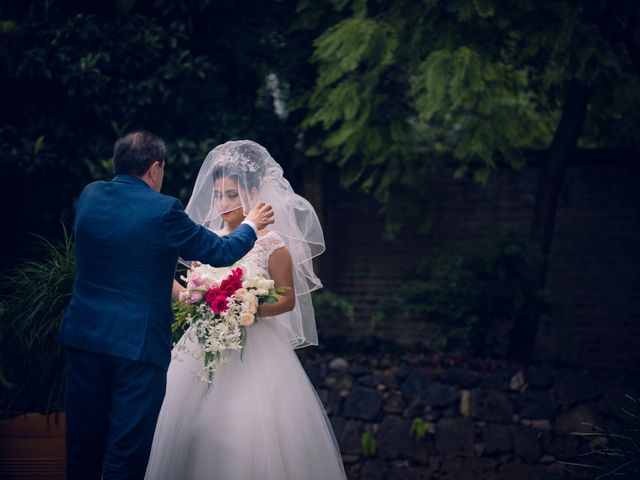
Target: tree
[(402, 85), (76, 75)]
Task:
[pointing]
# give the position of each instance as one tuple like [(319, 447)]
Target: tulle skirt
[(261, 419)]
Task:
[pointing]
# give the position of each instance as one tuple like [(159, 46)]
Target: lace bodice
[(263, 248)]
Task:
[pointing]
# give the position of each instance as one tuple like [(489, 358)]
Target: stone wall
[(483, 422), (593, 274)]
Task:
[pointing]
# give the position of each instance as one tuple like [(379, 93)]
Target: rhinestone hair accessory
[(242, 156)]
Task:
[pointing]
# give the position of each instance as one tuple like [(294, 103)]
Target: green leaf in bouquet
[(182, 312), (270, 299)]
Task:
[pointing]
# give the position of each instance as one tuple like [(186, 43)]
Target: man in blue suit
[(117, 327)]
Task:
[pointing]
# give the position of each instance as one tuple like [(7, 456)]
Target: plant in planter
[(34, 296)]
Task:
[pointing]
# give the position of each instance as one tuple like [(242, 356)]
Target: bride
[(261, 419)]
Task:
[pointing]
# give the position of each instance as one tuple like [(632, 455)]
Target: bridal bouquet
[(215, 309)]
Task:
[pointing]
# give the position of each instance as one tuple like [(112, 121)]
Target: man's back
[(124, 272), (128, 239)]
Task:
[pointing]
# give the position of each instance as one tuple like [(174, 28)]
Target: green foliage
[(76, 75), (35, 295), (614, 451), (402, 85), (419, 428), (369, 444), (331, 305), (474, 299), (181, 313)]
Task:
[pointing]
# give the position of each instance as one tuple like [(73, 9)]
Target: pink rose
[(184, 297), (196, 279), (208, 284)]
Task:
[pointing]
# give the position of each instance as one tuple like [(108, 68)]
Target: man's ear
[(155, 166)]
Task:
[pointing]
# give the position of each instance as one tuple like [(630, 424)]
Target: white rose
[(241, 293), (265, 283), (249, 284), (246, 320), (252, 308)]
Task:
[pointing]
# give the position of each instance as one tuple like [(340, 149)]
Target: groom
[(117, 327)]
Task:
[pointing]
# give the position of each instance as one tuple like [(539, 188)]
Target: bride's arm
[(175, 291), (281, 272)]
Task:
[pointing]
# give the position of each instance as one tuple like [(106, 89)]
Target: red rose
[(211, 294), (219, 304), (237, 273), (226, 287), (230, 284)]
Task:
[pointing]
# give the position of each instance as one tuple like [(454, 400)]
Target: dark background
[(475, 165)]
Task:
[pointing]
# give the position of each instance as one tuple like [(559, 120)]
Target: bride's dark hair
[(242, 161)]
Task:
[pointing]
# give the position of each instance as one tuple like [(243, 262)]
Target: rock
[(415, 409), (465, 403), (537, 405), (350, 458), (362, 402), (499, 381), (352, 470), (455, 436), (357, 370), (537, 424), (433, 416), (460, 378), (373, 470), (331, 400), (339, 365), (560, 445), (526, 443), (575, 387), (440, 395), (403, 371), (433, 393), (370, 380), (313, 372), (396, 473), (451, 412), (415, 384), (390, 381), (579, 419), (517, 382), (394, 404), (395, 440), (512, 471), (491, 406), (471, 468), (539, 377), (348, 433), (337, 423), (338, 381), (497, 438)]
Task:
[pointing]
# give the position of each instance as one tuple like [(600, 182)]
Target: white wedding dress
[(261, 419)]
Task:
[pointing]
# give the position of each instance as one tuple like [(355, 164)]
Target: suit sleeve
[(195, 242)]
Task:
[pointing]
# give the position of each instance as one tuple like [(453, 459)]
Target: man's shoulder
[(124, 193), (169, 201), (97, 184)]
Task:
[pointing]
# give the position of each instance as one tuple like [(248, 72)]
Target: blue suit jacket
[(128, 240)]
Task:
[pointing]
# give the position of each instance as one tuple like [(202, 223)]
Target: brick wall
[(594, 271)]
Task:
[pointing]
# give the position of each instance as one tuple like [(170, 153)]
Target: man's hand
[(261, 215)]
